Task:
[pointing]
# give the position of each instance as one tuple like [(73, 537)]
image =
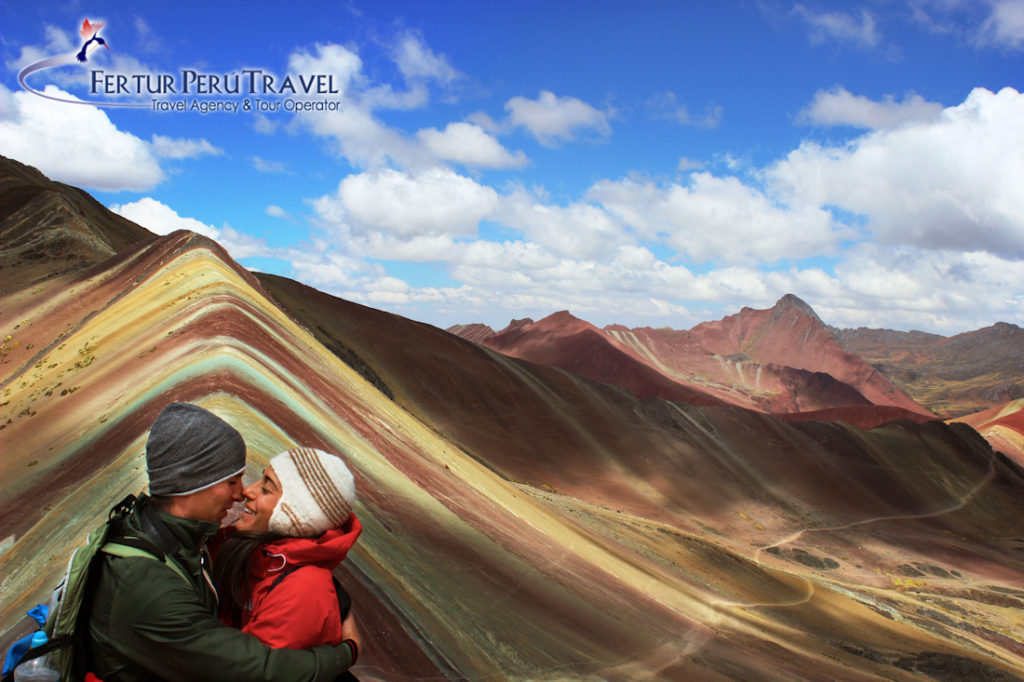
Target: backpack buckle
[(123, 507)]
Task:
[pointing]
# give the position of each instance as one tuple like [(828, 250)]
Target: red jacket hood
[(326, 551)]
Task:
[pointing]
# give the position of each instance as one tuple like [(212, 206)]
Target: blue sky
[(644, 163)]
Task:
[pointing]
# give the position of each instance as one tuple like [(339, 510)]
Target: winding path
[(959, 504)]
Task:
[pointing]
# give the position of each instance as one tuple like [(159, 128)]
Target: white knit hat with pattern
[(318, 492)]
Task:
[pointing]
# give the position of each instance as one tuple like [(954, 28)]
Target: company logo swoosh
[(64, 60), (90, 31)]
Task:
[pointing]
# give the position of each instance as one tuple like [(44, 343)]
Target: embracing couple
[(264, 606)]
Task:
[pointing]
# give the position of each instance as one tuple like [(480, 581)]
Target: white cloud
[(265, 166), (329, 269), (484, 121), (182, 148), (241, 245), (264, 125), (629, 284), (386, 96), (357, 90), (416, 60), (148, 40), (909, 288), (551, 118), (717, 219), (57, 42), (839, 107), (416, 215), (1005, 26), (433, 202), (504, 257), (76, 143), (686, 165), (364, 140), (840, 27), (469, 145), (902, 288), (941, 15), (276, 211), (991, 24), (419, 67), (337, 60), (425, 248), (666, 106), (950, 184), (357, 135), (619, 253), (361, 137), (161, 218), (579, 230), (8, 105)]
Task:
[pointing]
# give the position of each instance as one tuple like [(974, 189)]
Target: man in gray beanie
[(193, 458), (155, 616)]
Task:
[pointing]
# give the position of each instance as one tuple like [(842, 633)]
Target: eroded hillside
[(955, 376), (520, 521)]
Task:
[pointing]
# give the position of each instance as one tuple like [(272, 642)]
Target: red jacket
[(301, 611)]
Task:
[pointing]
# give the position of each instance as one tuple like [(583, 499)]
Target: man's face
[(213, 503)]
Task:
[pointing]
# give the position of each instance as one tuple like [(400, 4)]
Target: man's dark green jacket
[(148, 623)]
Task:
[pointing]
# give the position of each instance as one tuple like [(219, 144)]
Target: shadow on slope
[(815, 506), (520, 522), (48, 228)]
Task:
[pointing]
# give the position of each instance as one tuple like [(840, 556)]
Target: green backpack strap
[(118, 549)]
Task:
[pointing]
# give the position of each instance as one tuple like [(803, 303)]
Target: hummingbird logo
[(90, 32)]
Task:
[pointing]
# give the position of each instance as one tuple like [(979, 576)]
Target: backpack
[(66, 623)]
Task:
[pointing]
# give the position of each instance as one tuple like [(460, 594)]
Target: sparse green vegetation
[(87, 352)]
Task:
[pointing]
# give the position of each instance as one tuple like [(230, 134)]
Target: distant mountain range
[(952, 376), (783, 360), (745, 500)]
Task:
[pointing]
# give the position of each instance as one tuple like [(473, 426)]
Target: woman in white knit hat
[(273, 572)]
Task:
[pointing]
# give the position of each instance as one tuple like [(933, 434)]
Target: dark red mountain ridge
[(782, 360)]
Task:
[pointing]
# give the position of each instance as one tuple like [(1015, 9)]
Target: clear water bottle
[(38, 669)]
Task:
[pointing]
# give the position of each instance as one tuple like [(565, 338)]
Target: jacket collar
[(327, 550), (191, 533)]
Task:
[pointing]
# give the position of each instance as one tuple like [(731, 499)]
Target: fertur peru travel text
[(191, 82)]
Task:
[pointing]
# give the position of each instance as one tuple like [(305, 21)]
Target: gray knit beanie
[(317, 493), (190, 449)]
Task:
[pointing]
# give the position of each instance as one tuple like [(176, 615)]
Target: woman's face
[(260, 499)]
